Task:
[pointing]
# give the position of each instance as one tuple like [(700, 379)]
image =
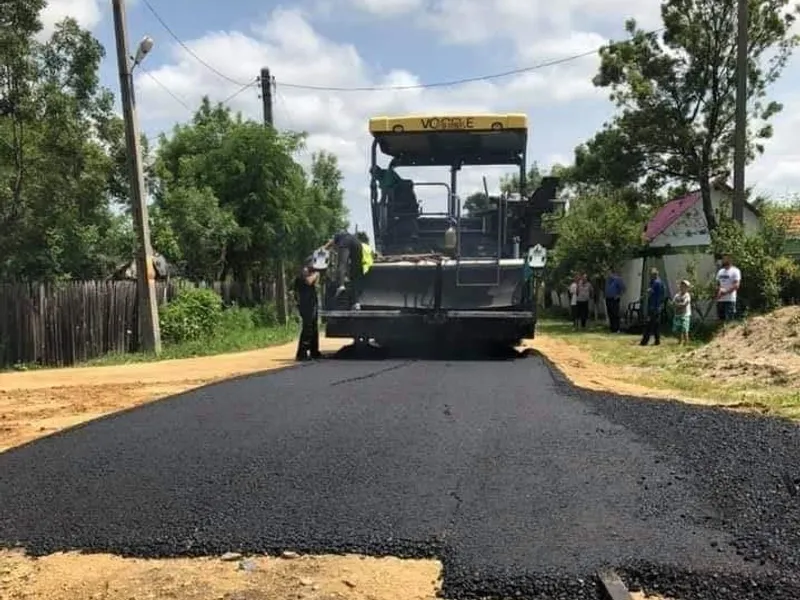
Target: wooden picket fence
[(66, 323)]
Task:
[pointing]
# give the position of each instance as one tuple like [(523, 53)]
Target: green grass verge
[(226, 342), (670, 367), (238, 332)]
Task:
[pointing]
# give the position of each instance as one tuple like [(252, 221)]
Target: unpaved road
[(513, 483)]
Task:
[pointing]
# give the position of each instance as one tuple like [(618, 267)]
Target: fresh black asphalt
[(520, 484)]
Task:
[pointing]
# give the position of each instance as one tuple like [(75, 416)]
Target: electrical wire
[(457, 82), (165, 88), (419, 86), (185, 47), (303, 150), (244, 87), (286, 114)]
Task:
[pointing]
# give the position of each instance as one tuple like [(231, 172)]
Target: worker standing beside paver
[(305, 288)]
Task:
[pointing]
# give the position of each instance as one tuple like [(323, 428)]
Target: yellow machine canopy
[(445, 140)]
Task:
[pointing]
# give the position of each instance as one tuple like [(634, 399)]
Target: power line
[(457, 82), (245, 86), (438, 84), (165, 88), (185, 47), (183, 102)]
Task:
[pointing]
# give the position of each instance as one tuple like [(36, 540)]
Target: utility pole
[(145, 271), (740, 141), (280, 278)]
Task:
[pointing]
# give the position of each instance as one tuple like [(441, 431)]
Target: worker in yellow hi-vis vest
[(367, 257), (354, 260)]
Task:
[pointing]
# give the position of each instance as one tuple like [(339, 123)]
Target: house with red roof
[(677, 241)]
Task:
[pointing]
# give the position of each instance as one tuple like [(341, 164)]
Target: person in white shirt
[(573, 301), (729, 278), (682, 321)]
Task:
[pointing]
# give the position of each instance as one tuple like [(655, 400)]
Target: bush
[(195, 313), (237, 318), (788, 273), (266, 315), (759, 258)]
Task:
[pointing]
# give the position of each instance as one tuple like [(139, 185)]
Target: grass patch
[(227, 342), (614, 349), (670, 368)]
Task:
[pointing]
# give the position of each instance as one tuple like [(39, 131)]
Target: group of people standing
[(728, 280), (581, 294)]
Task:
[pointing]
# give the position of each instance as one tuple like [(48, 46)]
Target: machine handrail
[(496, 259)]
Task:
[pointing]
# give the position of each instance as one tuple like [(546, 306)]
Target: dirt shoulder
[(74, 576), (582, 369)]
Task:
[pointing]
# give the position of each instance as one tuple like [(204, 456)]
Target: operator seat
[(403, 210)]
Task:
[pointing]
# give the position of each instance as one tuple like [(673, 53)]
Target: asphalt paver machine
[(446, 277)]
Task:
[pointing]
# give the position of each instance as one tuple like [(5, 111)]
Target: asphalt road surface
[(517, 482)]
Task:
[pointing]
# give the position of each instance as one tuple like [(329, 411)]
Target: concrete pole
[(145, 271)]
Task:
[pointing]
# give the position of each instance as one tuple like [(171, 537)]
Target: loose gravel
[(519, 483)]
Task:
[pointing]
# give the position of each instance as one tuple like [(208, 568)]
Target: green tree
[(596, 234), (476, 203), (55, 217), (509, 184), (676, 93), (235, 200), (759, 256)]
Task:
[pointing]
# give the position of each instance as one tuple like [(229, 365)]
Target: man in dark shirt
[(615, 288), (655, 300), (349, 262), (305, 289)]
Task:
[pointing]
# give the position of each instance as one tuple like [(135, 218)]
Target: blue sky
[(347, 43)]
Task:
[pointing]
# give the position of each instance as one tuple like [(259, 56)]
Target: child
[(683, 312)]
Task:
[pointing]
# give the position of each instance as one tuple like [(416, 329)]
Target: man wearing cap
[(305, 289)]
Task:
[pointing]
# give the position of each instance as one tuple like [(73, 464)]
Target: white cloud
[(533, 30), (86, 12), (777, 172), (387, 8), (337, 121)]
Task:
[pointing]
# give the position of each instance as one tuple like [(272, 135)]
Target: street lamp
[(145, 271), (143, 50)]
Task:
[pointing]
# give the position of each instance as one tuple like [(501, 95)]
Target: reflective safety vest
[(366, 257)]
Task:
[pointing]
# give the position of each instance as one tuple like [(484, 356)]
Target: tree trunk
[(708, 207)]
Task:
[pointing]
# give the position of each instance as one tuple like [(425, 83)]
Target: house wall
[(691, 240), (691, 229), (631, 273)]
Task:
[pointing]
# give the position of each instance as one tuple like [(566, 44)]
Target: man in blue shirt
[(615, 287), (655, 300)]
